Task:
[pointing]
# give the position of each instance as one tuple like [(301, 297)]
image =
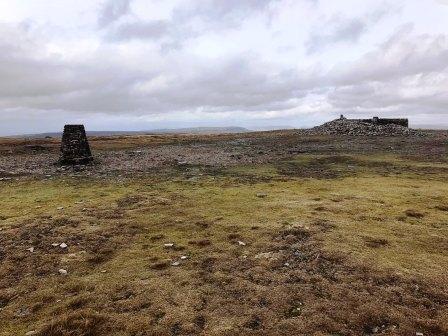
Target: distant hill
[(201, 130), (431, 126), (191, 130)]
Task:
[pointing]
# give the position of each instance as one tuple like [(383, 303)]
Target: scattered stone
[(31, 249), (60, 208), (267, 255), (55, 244), (295, 311), (419, 334), (362, 128), (184, 258), (63, 245), (176, 263), (262, 195), (168, 245), (31, 332), (62, 271), (22, 312), (286, 264), (241, 243)]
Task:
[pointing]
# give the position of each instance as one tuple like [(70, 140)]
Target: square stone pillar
[(75, 147)]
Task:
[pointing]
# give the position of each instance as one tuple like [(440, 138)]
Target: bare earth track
[(270, 233)]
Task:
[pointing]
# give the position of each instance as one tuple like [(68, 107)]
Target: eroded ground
[(257, 234)]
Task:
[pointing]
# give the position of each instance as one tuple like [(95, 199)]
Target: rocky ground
[(145, 154), (357, 128), (273, 233)]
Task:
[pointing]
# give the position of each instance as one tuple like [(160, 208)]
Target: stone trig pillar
[(75, 147)]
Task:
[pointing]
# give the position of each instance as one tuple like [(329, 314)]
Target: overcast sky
[(144, 64)]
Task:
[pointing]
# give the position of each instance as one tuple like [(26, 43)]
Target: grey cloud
[(152, 30), (401, 55), (407, 75), (212, 14), (343, 30), (49, 83), (216, 11), (392, 78), (112, 10)]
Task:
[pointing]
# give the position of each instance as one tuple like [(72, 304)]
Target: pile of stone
[(75, 149), (356, 128)]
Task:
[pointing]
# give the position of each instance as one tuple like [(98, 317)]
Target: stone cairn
[(75, 147)]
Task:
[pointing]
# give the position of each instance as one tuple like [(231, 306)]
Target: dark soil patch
[(441, 207), (414, 214), (375, 242)]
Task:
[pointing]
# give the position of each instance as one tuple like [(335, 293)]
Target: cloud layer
[(265, 62)]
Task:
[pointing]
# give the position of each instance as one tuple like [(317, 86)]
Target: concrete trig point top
[(75, 147)]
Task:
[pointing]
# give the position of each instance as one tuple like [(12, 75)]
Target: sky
[(147, 64)]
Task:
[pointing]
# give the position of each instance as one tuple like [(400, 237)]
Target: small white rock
[(241, 243), (31, 249), (63, 271), (63, 245), (183, 257), (60, 208), (176, 263), (419, 334), (286, 264), (169, 245), (55, 244), (31, 332)]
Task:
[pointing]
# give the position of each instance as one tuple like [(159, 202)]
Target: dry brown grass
[(332, 256)]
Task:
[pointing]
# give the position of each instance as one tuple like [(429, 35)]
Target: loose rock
[(354, 127)]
